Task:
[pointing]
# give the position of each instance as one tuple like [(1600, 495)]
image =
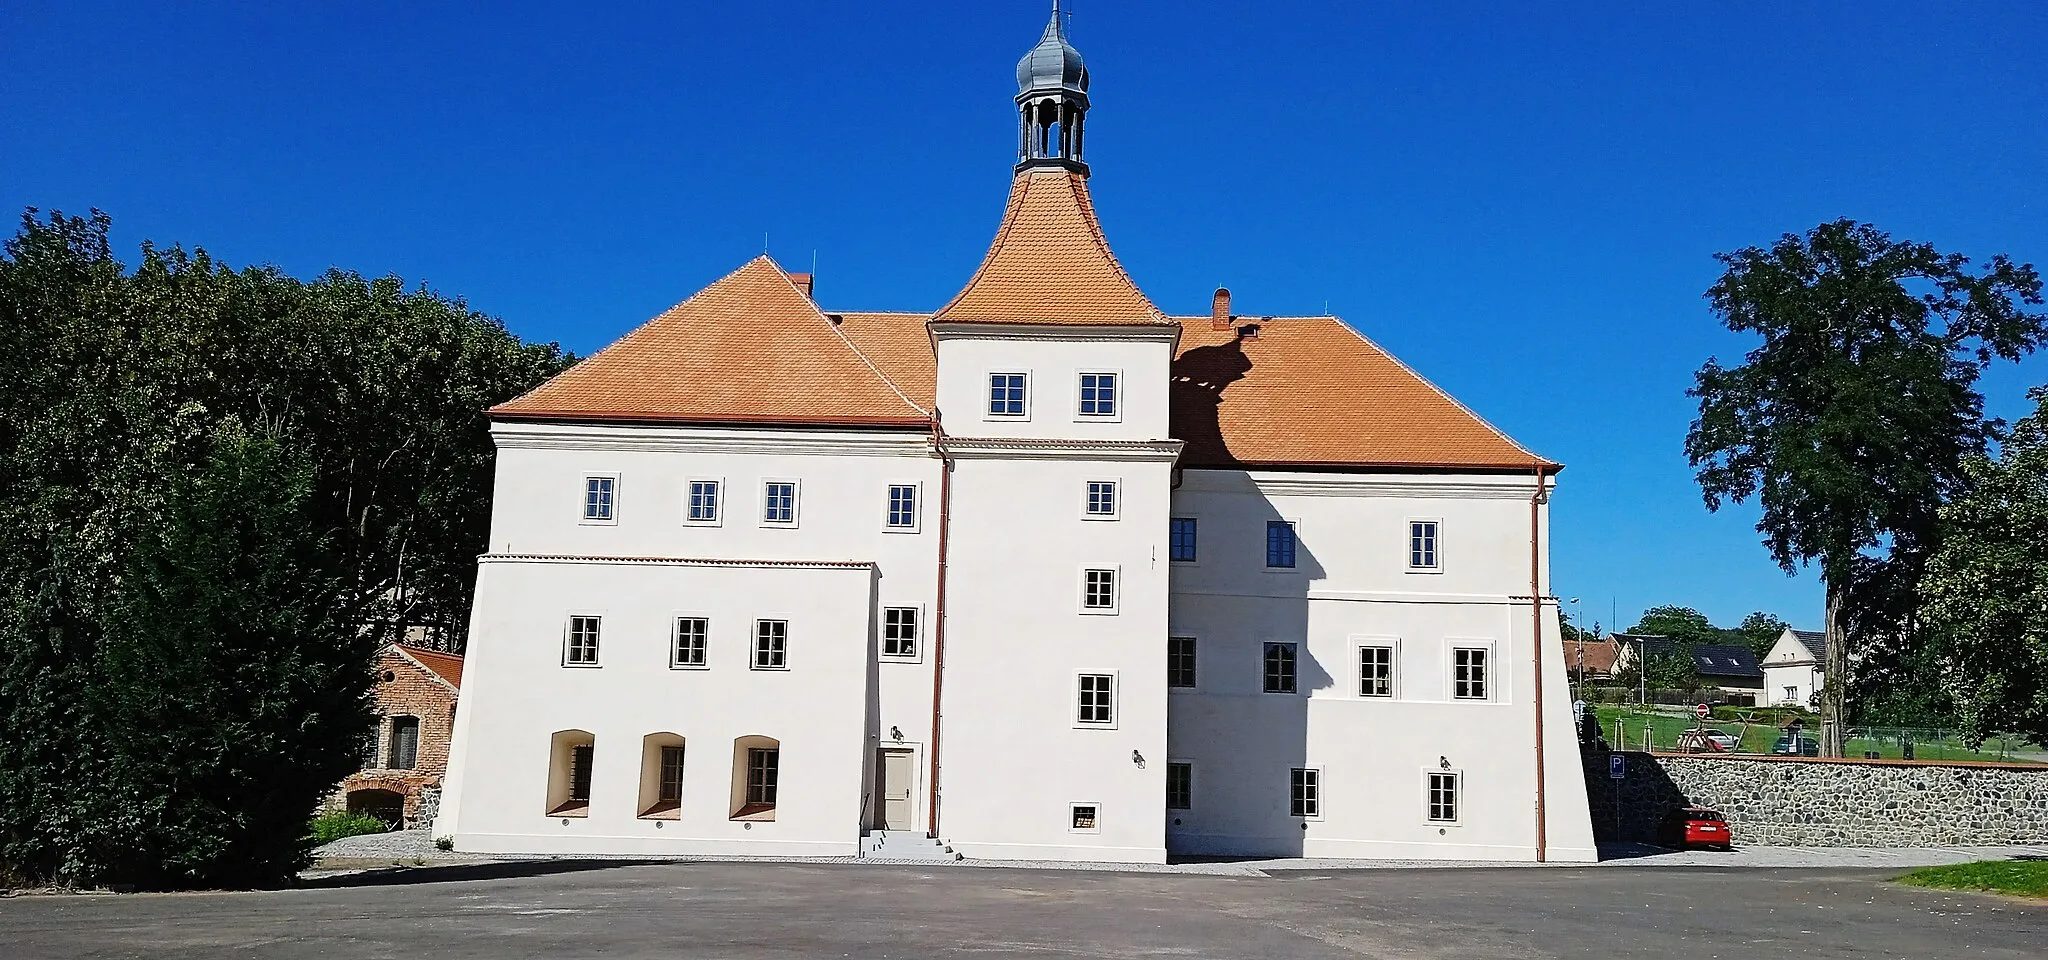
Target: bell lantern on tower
[(1052, 100)]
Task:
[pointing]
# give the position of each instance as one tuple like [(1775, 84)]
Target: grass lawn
[(2021, 878), (1667, 723)]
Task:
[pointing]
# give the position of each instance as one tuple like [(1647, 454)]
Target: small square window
[(1375, 671), (1180, 786), (600, 499), (1101, 499), (580, 648), (1098, 395), (778, 503), (899, 632), (1280, 668), (1280, 544), (1006, 395), (1443, 797), (1180, 540), (692, 641), (902, 513), (1096, 704), (1180, 661), (1468, 673), (1422, 545), (1304, 792), (771, 644), (703, 502), (1081, 817), (1098, 591)]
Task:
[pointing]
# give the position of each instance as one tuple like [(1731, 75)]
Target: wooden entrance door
[(897, 805)]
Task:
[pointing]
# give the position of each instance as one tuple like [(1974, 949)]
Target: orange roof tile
[(1050, 263), (447, 666), (748, 348)]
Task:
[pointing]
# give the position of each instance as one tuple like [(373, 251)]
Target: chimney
[(803, 282), (1219, 310)]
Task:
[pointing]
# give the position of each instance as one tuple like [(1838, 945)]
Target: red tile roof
[(1050, 263), (447, 666)]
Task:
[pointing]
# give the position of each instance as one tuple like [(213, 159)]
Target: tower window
[(1102, 499), (1006, 395), (1098, 395)]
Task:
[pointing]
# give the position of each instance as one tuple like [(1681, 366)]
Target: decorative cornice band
[(1005, 448), (673, 561), (518, 436), (1391, 485), (1152, 332)]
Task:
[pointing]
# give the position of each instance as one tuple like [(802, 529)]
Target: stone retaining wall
[(1792, 801)]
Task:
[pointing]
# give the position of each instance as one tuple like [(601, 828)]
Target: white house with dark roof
[(1045, 573), (1795, 669)]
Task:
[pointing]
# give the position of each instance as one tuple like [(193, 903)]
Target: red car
[(1698, 827)]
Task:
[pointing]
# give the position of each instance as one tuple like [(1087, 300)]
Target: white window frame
[(754, 645), (1190, 764), (583, 499), (1264, 556), (987, 388), (1317, 774), (1457, 776), (1075, 806), (1197, 521), (796, 504), (917, 641), (718, 506), (1393, 645), (569, 624), (1116, 713), (1118, 401), (1494, 675), (1116, 591), (1408, 545), (916, 506), (675, 636), (1116, 498)]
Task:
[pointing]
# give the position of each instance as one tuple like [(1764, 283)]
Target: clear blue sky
[(1521, 203)]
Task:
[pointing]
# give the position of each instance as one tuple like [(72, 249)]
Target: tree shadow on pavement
[(463, 872)]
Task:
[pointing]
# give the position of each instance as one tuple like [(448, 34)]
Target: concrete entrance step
[(904, 845)]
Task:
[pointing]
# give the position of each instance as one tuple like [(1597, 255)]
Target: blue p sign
[(1617, 766)]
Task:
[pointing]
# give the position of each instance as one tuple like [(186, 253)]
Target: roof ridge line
[(1541, 461), (829, 325)]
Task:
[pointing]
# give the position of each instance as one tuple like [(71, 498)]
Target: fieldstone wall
[(1807, 802)]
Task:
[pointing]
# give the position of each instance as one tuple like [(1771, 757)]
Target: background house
[(406, 754), (1731, 670), (1795, 668), (1591, 659)]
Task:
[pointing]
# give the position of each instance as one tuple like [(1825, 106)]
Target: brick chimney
[(803, 282), (1219, 310)]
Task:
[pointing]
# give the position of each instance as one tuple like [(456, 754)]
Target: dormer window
[(1098, 395)]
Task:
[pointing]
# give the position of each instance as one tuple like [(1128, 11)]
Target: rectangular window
[(1098, 591), (1180, 539), (1097, 704), (1279, 668), (599, 498), (1304, 794), (405, 743), (1102, 498), (1375, 671), (579, 772), (1443, 797), (703, 505), (771, 644), (373, 744), (1006, 395), (1279, 545), (1180, 661), (1422, 545), (1081, 816), (1180, 786), (899, 632), (581, 646), (1468, 673), (763, 769), (778, 502), (693, 637), (671, 773), (1098, 394), (902, 506)]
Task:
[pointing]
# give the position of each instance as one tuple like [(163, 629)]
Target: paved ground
[(565, 909)]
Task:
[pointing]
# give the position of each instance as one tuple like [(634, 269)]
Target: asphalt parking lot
[(626, 910)]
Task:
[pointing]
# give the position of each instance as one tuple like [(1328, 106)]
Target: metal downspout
[(1536, 621), (939, 621)]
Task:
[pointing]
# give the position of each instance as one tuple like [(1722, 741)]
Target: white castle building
[(1044, 574)]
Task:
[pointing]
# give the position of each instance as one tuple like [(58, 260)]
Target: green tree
[(1760, 631), (1684, 625), (1853, 420), (1986, 588)]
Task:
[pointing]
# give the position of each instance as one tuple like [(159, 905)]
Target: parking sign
[(1617, 766)]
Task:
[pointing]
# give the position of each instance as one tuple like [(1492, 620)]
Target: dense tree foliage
[(1688, 626), (1853, 420), (1986, 588), (220, 490)]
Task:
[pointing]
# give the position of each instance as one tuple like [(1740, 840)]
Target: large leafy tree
[(1986, 588), (1853, 420), (1684, 625), (179, 671), (1760, 631)]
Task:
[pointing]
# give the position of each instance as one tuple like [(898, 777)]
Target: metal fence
[(1667, 732)]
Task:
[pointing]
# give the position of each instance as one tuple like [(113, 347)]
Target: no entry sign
[(1701, 711)]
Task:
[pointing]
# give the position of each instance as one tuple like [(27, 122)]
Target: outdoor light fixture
[(1444, 762), (1137, 758), (896, 733)]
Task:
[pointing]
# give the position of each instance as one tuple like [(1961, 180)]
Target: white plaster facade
[(1793, 672)]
